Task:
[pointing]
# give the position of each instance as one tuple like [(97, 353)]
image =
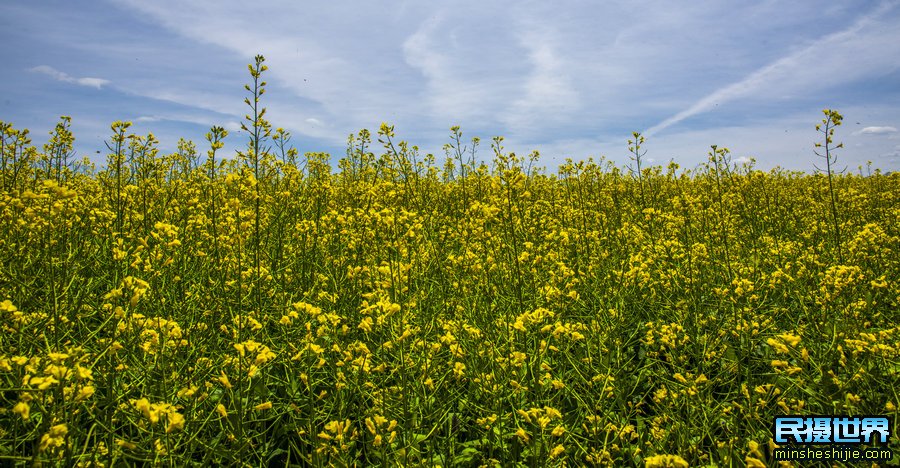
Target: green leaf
[(467, 456), (216, 395)]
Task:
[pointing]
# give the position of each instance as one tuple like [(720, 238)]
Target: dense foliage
[(266, 309)]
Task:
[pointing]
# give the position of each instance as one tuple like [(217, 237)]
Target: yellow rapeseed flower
[(176, 422), (754, 449), (22, 409), (557, 451), (54, 438), (187, 391), (83, 373), (84, 393), (224, 380), (754, 462), (521, 434), (43, 383), (143, 405), (366, 324), (665, 461), (125, 444), (160, 447)]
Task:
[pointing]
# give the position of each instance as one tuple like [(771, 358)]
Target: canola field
[(266, 309)]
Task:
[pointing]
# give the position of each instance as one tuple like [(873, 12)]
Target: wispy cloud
[(572, 81), (875, 131), (456, 87), (548, 93), (66, 78), (206, 121), (802, 66)]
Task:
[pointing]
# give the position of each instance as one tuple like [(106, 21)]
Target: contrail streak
[(758, 78)]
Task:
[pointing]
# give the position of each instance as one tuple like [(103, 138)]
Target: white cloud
[(548, 91), (232, 126), (572, 81), (199, 99), (848, 51), (449, 91), (875, 131), (92, 82), (64, 77), (179, 117)]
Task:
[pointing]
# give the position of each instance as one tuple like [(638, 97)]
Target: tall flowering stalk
[(832, 120)]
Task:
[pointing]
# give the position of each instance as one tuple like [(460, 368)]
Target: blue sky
[(571, 79)]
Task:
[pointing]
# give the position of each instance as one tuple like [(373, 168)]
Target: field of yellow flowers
[(266, 310)]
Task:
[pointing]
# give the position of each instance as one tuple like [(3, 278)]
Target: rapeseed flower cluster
[(394, 309)]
